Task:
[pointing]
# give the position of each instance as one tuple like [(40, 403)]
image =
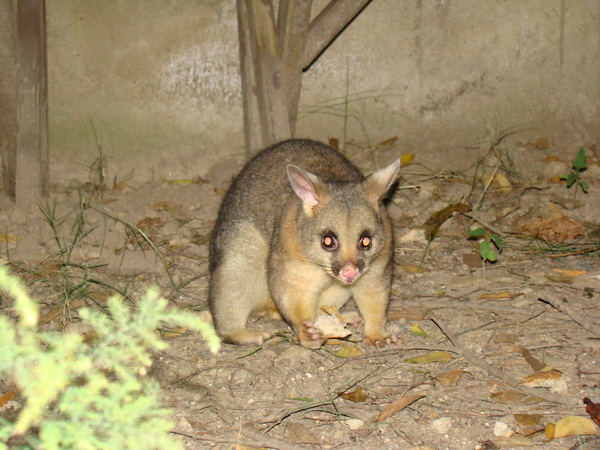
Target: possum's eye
[(365, 242), (329, 242)]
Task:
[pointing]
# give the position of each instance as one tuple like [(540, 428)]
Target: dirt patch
[(535, 309)]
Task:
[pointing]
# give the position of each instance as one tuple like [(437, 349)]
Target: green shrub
[(88, 395)]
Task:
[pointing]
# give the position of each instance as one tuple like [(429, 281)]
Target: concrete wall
[(159, 79)]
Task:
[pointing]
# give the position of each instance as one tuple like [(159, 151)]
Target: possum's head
[(343, 227)]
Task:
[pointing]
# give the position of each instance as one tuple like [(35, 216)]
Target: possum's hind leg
[(238, 285)]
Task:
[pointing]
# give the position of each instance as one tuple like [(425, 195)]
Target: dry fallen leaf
[(570, 426), (6, 397), (396, 406), (416, 329), (552, 379), (501, 183), (540, 144), (388, 142), (452, 377), (174, 333), (593, 409), (334, 143), (570, 272), (551, 158), (406, 159), (473, 260), (413, 268), (150, 224), (331, 327), (172, 208), (514, 396), (431, 357), (357, 396), (553, 227), (299, 434), (437, 219), (496, 295), (332, 311), (348, 350), (529, 423)]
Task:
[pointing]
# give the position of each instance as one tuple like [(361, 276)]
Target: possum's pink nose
[(349, 272)]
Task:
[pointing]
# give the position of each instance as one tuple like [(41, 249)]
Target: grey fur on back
[(261, 191)]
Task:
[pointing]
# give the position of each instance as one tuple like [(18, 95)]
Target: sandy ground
[(534, 312)]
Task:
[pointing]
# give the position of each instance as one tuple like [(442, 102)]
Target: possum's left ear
[(378, 184)]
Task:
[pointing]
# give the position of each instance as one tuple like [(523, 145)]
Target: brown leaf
[(472, 260), (558, 278), (570, 272), (174, 333), (334, 143), (357, 396), (388, 142), (150, 224), (173, 208), (505, 295), (529, 423), (452, 377), (431, 357), (513, 396), (348, 350), (553, 227), (540, 144), (6, 397), (332, 310), (593, 409), (552, 379), (437, 219), (396, 406), (551, 158), (413, 268), (299, 434)]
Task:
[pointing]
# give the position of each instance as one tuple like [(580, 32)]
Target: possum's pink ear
[(303, 184), (378, 184)]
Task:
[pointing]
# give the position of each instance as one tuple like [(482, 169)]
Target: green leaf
[(585, 187), (571, 179), (497, 240), (484, 249), (579, 163), (477, 232), (492, 255)]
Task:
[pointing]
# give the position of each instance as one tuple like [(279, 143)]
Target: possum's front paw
[(353, 319), (381, 340), (310, 336)]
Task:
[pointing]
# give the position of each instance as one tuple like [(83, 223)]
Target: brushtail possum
[(301, 227)]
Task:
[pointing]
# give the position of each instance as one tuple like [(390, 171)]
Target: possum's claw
[(310, 336)]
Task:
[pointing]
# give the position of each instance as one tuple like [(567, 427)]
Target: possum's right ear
[(303, 184)]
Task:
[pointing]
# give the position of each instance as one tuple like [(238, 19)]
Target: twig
[(587, 322), (259, 439), (487, 186), (470, 356)]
